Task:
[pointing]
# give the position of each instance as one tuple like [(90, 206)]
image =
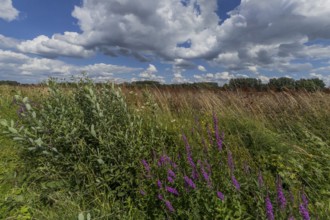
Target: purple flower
[(216, 130), (291, 218), (235, 182), (189, 182), (163, 160), (194, 174), (188, 150), (172, 190), (220, 195), (304, 212), (304, 200), (159, 184), (171, 173), (260, 179), (269, 209), (230, 161), (280, 195), (169, 206), (146, 166), (206, 176), (142, 192), (170, 179), (160, 197)]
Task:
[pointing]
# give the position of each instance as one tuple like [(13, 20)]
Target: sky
[(170, 41)]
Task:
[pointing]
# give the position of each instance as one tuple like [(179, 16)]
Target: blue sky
[(171, 41)]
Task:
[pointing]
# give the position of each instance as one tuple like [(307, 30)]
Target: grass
[(285, 134)]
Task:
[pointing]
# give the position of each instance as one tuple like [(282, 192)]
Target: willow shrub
[(84, 136)]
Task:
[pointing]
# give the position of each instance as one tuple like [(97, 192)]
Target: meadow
[(86, 151)]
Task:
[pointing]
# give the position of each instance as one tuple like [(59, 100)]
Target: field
[(89, 151)]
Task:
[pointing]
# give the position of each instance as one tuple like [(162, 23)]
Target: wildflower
[(269, 209), (170, 179), (169, 206), (160, 197), (291, 218), (304, 212), (172, 190), (142, 192), (188, 150), (195, 174), (189, 182), (163, 160), (206, 176), (171, 173), (280, 195), (304, 200), (260, 179), (235, 182), (146, 166), (220, 195), (230, 161), (159, 184), (216, 130)]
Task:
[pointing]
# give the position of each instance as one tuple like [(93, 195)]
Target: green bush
[(84, 136)]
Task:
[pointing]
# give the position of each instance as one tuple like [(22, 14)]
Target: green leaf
[(12, 130), (93, 131), (88, 216), (28, 106), (4, 122), (81, 216)]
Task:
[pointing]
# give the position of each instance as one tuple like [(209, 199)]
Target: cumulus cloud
[(7, 10), (7, 42), (150, 74), (258, 35), (18, 66), (201, 68), (57, 45)]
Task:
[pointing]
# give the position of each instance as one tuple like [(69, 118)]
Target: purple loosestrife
[(235, 182), (159, 184), (163, 160), (216, 130), (172, 190), (189, 182), (160, 197), (142, 192), (169, 206), (194, 174), (220, 195), (280, 195), (206, 176), (269, 209), (171, 173), (304, 200), (188, 150), (170, 179), (146, 167), (230, 161), (304, 212)]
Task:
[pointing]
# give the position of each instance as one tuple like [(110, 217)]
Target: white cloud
[(7, 42), (7, 10), (58, 45), (18, 66), (148, 26), (150, 74), (201, 68)]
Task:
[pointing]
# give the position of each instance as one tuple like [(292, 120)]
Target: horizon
[(172, 41)]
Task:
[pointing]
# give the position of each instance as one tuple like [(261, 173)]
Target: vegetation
[(92, 151)]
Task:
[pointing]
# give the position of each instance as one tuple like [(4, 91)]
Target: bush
[(85, 135)]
